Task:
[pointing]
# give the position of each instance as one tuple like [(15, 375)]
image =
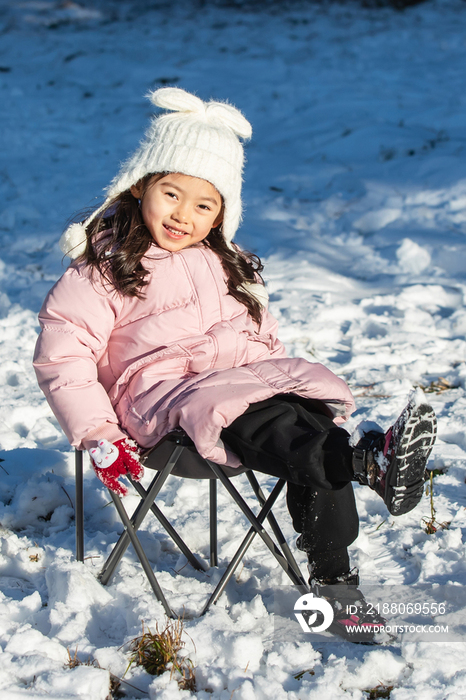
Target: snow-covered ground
[(356, 199)]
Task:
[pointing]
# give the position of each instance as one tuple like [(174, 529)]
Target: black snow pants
[(296, 439)]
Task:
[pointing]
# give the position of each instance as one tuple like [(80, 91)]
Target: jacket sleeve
[(77, 319)]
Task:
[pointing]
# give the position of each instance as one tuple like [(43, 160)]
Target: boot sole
[(415, 431)]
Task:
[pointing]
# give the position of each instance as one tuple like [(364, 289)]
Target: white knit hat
[(198, 139)]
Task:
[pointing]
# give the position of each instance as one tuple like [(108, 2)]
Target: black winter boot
[(354, 619), (394, 463)]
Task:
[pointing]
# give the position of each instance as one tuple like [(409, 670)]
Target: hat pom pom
[(73, 241), (176, 100), (258, 291)]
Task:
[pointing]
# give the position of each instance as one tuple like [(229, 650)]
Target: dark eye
[(171, 194), (204, 206)]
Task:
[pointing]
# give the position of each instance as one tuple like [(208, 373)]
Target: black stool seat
[(190, 464)]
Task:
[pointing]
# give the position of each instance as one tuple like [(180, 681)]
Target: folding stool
[(175, 454)]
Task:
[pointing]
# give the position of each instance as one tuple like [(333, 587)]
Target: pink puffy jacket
[(186, 355)]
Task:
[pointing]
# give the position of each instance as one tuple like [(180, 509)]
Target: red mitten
[(112, 460)]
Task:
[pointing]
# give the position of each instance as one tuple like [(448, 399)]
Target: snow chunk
[(375, 220), (40, 504), (81, 682), (244, 651), (74, 599), (14, 612), (72, 584), (379, 666), (362, 429), (162, 688), (4, 305), (417, 398), (29, 642), (412, 258)]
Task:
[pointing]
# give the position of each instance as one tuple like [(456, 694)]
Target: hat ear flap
[(258, 291)]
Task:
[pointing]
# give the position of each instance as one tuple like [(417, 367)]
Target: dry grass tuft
[(438, 386), (159, 651), (73, 661), (431, 526)]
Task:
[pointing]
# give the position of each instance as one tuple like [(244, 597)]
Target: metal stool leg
[(213, 521), (79, 505)]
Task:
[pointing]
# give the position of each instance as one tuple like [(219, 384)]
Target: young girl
[(161, 323)]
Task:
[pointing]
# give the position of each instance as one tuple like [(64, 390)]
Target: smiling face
[(179, 210)]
